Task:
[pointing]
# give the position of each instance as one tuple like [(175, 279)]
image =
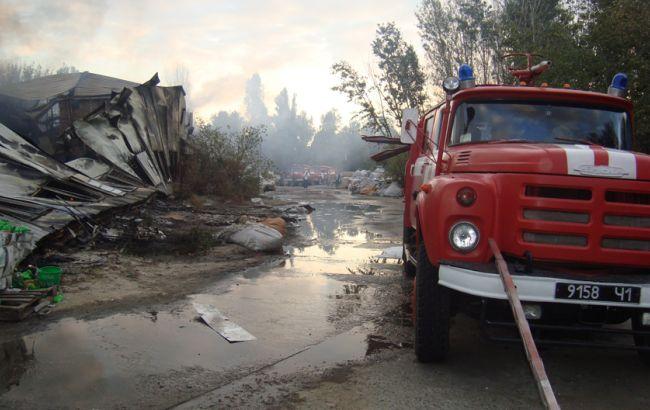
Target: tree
[(254, 101), (227, 164), (588, 42), (15, 72), (326, 147), (289, 134), (228, 122), (400, 79), (396, 84), (181, 76), (460, 32), (549, 28), (620, 36)]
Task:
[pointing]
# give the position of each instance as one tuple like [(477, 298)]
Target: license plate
[(602, 293)]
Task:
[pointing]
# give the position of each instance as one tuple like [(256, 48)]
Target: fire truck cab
[(549, 175)]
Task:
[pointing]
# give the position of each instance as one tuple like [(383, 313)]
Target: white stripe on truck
[(578, 156), (623, 160), (581, 161)]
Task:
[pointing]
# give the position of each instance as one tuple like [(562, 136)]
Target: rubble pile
[(60, 166), (375, 182)]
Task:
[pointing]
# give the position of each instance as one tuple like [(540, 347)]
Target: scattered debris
[(392, 190), (268, 184), (362, 271), (394, 252), (230, 331), (16, 304), (278, 224), (112, 234)]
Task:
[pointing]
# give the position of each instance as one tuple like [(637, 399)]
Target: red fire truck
[(550, 176)]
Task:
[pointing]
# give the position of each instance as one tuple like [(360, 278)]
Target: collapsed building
[(75, 145)]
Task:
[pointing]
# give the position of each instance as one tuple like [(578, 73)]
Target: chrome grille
[(558, 192), (637, 198), (556, 216), (590, 224), (555, 239), (627, 244), (624, 220)]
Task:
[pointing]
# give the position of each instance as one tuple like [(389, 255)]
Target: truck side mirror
[(409, 125)]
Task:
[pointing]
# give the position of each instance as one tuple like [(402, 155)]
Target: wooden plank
[(15, 306), (36, 293), (534, 359), (16, 313)]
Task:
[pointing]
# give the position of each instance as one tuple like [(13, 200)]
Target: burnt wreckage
[(75, 145)]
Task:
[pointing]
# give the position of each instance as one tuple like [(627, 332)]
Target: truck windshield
[(539, 122)]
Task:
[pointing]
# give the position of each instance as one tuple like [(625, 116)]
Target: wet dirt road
[(332, 328), (324, 297)]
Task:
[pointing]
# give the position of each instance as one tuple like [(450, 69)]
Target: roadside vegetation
[(228, 164)]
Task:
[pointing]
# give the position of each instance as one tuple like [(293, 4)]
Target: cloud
[(49, 30), (290, 43), (225, 91)]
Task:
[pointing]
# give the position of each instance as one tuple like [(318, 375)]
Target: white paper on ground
[(230, 331)]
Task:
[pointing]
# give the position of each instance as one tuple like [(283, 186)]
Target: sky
[(290, 43)]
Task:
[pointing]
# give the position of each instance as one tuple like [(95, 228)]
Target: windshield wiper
[(578, 140), (508, 141), (501, 141)]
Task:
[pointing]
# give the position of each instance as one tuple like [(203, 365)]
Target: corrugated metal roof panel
[(84, 84)]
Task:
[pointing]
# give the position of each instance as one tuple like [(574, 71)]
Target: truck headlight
[(463, 237)]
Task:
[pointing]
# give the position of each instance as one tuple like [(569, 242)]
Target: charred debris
[(73, 146)]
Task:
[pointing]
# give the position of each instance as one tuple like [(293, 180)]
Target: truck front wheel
[(432, 311), (408, 241)]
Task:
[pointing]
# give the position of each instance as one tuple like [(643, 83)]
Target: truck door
[(430, 150), (423, 169)]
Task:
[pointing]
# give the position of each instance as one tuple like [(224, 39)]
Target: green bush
[(396, 167), (222, 163)]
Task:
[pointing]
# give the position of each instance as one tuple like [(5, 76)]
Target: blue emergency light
[(466, 76), (618, 87), (465, 72)]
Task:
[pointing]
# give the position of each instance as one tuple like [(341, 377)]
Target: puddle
[(14, 359), (340, 244), (286, 306), (326, 358)]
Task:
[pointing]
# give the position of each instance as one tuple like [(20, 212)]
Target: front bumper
[(530, 288)]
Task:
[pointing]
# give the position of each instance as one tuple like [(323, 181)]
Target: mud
[(127, 335), (155, 252)]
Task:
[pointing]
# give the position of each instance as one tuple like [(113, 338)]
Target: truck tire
[(408, 240), (432, 312), (407, 266), (641, 340)]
